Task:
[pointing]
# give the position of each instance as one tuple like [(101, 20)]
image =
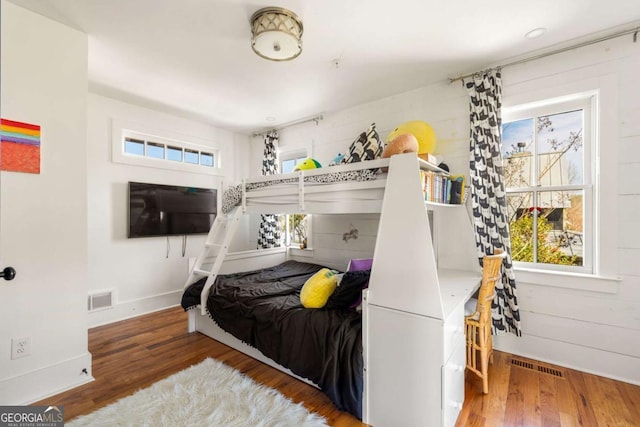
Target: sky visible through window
[(133, 146), (174, 153), (562, 126)]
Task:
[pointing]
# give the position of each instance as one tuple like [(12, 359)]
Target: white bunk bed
[(413, 311)]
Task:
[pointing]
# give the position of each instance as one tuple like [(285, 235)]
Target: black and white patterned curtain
[(269, 233), (489, 200)]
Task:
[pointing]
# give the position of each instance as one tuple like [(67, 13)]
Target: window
[(294, 228), (191, 156), (548, 169), (134, 146), (288, 164), (206, 159), (174, 153), (157, 150), (143, 147)]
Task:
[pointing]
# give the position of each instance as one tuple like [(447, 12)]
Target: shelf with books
[(442, 188)]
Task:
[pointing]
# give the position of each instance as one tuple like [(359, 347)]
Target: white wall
[(595, 330), (139, 271), (337, 131), (590, 329), (44, 216)]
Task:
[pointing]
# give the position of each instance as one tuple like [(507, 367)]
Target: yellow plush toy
[(318, 288), (307, 164), (421, 130)]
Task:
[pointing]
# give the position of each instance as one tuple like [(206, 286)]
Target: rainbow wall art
[(20, 146)]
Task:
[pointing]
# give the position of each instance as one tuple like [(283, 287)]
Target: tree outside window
[(294, 229)]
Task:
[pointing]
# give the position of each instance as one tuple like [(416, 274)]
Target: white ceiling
[(193, 57)]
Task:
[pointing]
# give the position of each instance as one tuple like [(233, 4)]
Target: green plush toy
[(307, 164)]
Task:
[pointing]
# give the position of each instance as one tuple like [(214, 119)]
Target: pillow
[(317, 289), (349, 291), (360, 264), (367, 146)]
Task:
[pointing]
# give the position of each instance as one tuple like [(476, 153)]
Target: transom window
[(174, 152), (548, 169), (140, 145)]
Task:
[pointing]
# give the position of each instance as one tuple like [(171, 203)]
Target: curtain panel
[(269, 232), (488, 194)]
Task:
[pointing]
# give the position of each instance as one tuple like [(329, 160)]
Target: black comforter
[(263, 309)]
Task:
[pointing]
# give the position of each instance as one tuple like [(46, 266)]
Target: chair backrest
[(491, 273)]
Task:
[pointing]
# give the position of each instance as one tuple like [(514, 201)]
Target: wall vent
[(100, 301), (535, 367)]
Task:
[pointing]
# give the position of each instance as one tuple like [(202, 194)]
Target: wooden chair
[(477, 319)]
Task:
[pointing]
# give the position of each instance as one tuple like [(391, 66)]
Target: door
[(7, 273)]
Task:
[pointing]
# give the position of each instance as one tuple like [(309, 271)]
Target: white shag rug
[(207, 394)]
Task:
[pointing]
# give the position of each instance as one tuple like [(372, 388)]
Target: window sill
[(308, 252), (253, 253), (560, 279)]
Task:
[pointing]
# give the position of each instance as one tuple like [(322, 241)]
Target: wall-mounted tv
[(165, 210)]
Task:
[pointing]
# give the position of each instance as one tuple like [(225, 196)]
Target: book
[(456, 192)]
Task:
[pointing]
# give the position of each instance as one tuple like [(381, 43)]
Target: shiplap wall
[(589, 330), (329, 244), (594, 331)]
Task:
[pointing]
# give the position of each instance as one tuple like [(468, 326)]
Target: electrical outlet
[(20, 347)]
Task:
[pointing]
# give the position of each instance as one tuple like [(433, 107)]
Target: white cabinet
[(413, 330), (415, 364), (453, 387), (403, 369), (454, 365)]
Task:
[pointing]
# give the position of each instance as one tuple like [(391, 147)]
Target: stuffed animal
[(421, 130), (336, 160), (307, 164), (405, 143)]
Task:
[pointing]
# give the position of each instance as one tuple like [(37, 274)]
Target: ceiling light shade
[(277, 34)]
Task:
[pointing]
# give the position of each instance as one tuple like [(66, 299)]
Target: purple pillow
[(360, 264)]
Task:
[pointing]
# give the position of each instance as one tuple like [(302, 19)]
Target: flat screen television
[(167, 210)]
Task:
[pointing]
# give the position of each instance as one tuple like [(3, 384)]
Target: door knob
[(8, 273)]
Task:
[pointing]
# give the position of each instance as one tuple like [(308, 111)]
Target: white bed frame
[(413, 311)]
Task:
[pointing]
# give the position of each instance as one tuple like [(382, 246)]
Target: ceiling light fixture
[(276, 34), (535, 33)]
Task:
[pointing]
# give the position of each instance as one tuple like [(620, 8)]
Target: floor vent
[(539, 368), (100, 301)]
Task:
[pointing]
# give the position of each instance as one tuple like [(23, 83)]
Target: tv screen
[(165, 210)]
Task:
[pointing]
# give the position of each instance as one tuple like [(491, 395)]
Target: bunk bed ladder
[(209, 261)]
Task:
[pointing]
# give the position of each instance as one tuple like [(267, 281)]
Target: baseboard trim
[(239, 261), (123, 310), (36, 385), (619, 367)]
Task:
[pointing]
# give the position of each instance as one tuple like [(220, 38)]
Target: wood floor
[(135, 353)]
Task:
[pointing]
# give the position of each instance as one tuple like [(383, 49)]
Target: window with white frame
[(549, 168), (174, 151), (144, 147), (289, 160), (294, 227)]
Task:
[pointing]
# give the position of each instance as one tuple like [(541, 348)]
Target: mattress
[(262, 308)]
